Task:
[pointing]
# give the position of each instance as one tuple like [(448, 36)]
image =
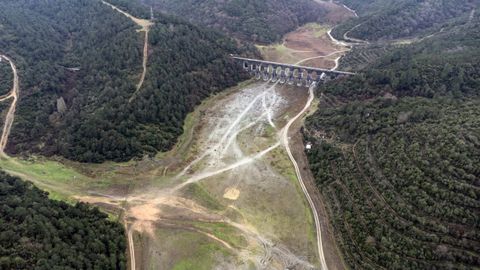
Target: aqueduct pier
[(288, 73)]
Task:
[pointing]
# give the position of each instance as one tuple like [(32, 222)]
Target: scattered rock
[(61, 105)]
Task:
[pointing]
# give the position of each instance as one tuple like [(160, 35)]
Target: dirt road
[(237, 159), (240, 175), (145, 27), (233, 197), (323, 56), (286, 143), (349, 40), (352, 40), (9, 118), (231, 165), (131, 248)]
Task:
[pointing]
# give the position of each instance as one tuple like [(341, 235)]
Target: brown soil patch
[(304, 39), (309, 41), (320, 62), (231, 194), (145, 212)]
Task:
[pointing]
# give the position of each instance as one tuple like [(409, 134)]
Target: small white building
[(308, 146)]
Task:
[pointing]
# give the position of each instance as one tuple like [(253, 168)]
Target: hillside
[(38, 233), (257, 21), (396, 149), (383, 20), (79, 63), (6, 78)]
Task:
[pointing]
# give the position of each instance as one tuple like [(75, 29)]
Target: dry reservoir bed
[(236, 203), (226, 198)]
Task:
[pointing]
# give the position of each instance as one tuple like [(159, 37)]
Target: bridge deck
[(293, 66)]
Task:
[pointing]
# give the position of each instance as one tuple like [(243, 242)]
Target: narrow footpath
[(145, 27), (9, 118)]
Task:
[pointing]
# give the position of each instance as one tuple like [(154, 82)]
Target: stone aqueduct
[(288, 73)]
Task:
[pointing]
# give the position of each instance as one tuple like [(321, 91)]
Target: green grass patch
[(200, 195), (188, 250), (223, 231), (42, 170), (58, 196), (203, 258), (59, 180), (280, 161), (319, 30), (282, 164)]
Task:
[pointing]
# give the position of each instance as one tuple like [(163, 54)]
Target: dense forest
[(445, 63), (39, 233), (257, 21), (79, 63), (6, 78), (364, 7), (380, 20), (396, 149)]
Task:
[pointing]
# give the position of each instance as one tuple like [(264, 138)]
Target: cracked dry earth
[(235, 204)]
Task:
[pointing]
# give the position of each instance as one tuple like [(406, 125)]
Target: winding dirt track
[(285, 141), (11, 111), (144, 64), (219, 148), (249, 107), (145, 27), (131, 249), (354, 40), (322, 56), (251, 114)]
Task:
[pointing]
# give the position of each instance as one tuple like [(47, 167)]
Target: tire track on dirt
[(226, 135), (131, 248)]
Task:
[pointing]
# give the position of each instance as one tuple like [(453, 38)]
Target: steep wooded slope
[(404, 18), (6, 78), (47, 39), (395, 154), (38, 233), (258, 21)]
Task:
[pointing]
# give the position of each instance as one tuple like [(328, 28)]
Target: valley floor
[(227, 196), (232, 200)]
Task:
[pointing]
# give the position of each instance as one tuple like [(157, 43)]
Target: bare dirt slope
[(237, 192), (310, 45)]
